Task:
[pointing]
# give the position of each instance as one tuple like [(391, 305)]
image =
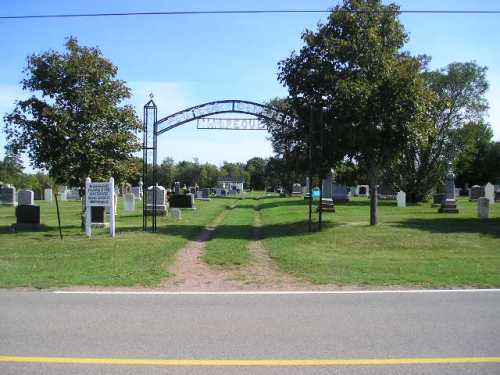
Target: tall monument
[(449, 203)]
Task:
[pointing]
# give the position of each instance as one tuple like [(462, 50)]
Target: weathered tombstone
[(73, 194), (26, 197), (489, 192), (340, 193), (47, 195), (161, 200), (8, 195), (176, 213), (449, 204), (401, 198), (177, 187), (182, 201), (476, 192), (327, 186), (438, 199), (483, 208), (137, 191), (296, 189), (205, 193), (129, 202)]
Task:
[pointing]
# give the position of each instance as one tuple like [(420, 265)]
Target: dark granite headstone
[(28, 214), (182, 201), (437, 199)]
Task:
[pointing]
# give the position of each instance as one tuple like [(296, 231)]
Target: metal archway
[(154, 127)]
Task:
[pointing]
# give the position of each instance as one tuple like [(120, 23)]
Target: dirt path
[(191, 273)]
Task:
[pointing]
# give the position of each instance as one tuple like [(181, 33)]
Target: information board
[(99, 194)]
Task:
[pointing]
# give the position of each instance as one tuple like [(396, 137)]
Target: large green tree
[(75, 124), (360, 91), (452, 130)]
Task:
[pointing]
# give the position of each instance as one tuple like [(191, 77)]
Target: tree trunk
[(373, 197)]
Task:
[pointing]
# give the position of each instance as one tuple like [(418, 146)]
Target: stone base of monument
[(449, 207), (327, 205), (161, 210)]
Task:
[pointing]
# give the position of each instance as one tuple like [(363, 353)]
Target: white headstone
[(47, 195), (401, 198), (26, 197), (489, 192), (129, 202), (176, 213), (483, 208)]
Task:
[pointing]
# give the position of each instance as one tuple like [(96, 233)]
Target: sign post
[(99, 194)]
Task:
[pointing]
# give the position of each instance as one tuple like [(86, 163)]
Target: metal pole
[(310, 171), (155, 171), (144, 166), (58, 214)]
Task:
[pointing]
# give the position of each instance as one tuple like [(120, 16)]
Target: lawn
[(413, 246), (41, 259), (229, 245)]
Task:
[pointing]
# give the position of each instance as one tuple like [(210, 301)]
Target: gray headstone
[(483, 208), (26, 197), (8, 196), (161, 199), (489, 192), (47, 195), (340, 193), (129, 202), (327, 187), (401, 198), (137, 191), (476, 192), (449, 185)]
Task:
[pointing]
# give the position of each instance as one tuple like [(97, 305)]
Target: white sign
[(99, 194)]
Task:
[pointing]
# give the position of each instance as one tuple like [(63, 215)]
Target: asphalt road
[(257, 327)]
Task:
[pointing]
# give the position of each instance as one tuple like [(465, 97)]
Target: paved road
[(315, 326)]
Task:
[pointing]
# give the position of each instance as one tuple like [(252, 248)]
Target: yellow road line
[(249, 362)]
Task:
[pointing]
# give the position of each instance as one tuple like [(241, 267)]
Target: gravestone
[(203, 194), (8, 196), (27, 217), (449, 204), (129, 202), (476, 192), (73, 194), (386, 192), (137, 191), (340, 193), (401, 198), (364, 190), (182, 201), (489, 192), (327, 186), (47, 195), (437, 199), (25, 197), (306, 187), (161, 200), (497, 193), (176, 213), (177, 187), (296, 189), (483, 208)]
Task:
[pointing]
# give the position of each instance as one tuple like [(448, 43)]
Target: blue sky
[(188, 60)]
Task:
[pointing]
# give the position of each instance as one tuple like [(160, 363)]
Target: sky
[(189, 60)]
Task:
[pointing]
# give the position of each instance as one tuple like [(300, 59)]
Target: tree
[(11, 170), (74, 124), (455, 117), (256, 168), (352, 79)]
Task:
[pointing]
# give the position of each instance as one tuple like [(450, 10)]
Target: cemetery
[(388, 187)]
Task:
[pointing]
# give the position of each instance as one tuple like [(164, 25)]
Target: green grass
[(41, 259), (413, 246), (228, 246)]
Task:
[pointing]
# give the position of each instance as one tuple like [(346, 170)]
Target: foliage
[(354, 92), (73, 125), (452, 130)]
